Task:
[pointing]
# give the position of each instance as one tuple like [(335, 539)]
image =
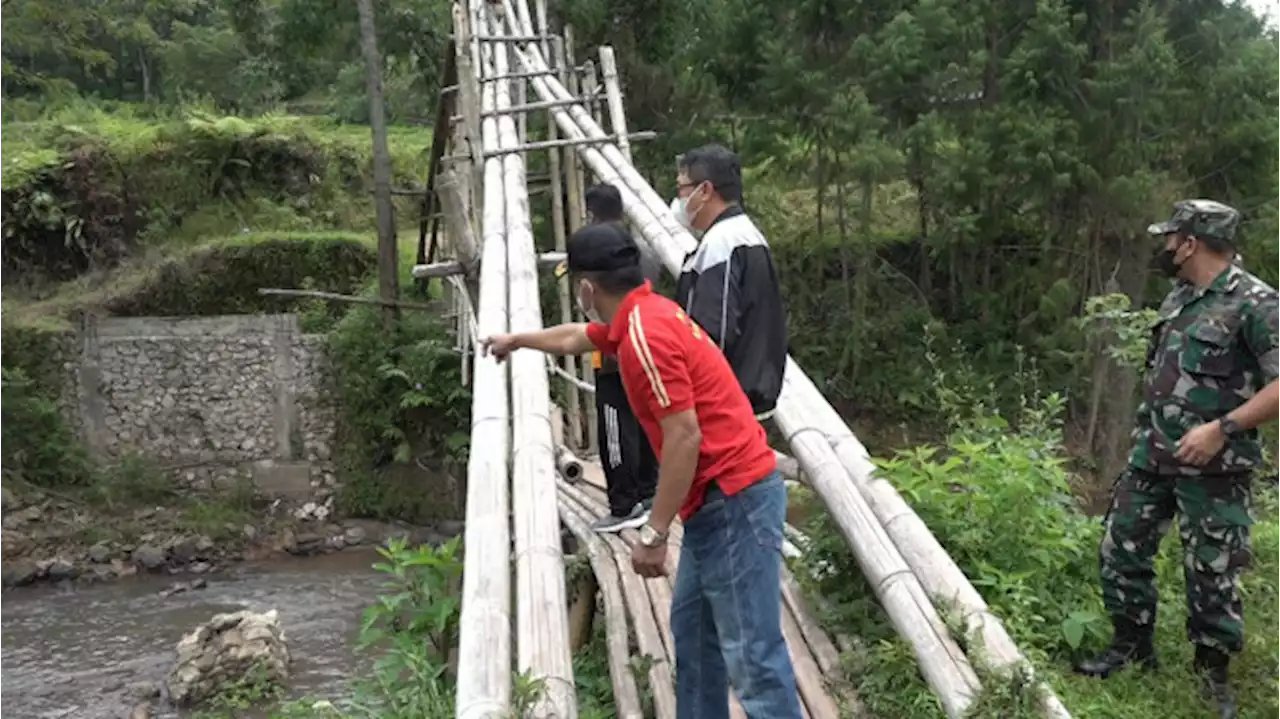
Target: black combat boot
[(1130, 644), (1211, 664)]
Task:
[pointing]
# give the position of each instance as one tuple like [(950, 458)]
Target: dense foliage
[(996, 495)]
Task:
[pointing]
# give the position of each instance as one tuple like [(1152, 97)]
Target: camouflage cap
[(1202, 218)]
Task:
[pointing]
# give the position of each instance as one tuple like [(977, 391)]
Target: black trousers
[(630, 467)]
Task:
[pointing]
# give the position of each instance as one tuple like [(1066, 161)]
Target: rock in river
[(223, 651), (150, 557)]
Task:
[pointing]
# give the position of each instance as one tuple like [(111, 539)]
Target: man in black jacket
[(728, 283), (630, 467)]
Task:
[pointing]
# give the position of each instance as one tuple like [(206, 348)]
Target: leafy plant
[(402, 397), (1125, 331)]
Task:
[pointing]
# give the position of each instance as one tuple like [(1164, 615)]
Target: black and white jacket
[(729, 286)]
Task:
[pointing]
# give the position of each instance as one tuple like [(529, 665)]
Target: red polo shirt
[(668, 364)]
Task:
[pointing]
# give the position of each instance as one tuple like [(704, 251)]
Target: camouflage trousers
[(1213, 524)]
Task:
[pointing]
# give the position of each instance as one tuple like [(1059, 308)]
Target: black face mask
[(1164, 261)]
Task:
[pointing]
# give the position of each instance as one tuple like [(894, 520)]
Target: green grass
[(133, 130)]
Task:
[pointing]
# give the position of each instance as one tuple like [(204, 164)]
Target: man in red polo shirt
[(715, 469)]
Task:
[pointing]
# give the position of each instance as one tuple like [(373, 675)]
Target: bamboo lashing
[(542, 626)]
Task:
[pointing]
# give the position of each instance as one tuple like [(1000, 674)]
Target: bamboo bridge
[(523, 482)]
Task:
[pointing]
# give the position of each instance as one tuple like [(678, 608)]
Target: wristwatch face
[(649, 536)]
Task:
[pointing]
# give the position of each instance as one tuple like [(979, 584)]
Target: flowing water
[(83, 650)]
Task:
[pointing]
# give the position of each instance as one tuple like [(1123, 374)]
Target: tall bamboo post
[(484, 643), (613, 90), (578, 210), (563, 47), (574, 401), (542, 625)]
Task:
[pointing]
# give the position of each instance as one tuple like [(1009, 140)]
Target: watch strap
[(1230, 428)]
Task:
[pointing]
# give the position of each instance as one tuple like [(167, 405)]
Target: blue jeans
[(726, 608)]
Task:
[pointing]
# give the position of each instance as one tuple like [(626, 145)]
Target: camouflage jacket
[(1211, 349)]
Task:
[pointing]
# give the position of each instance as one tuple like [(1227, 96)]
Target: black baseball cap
[(602, 247)]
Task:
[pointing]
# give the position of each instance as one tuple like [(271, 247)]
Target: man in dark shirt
[(630, 469), (728, 283)]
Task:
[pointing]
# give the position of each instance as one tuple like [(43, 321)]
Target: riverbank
[(53, 537), (98, 650)]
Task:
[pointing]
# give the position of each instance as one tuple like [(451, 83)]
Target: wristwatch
[(1228, 427), (651, 537)]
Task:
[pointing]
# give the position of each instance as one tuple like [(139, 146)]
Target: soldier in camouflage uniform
[(1210, 381)]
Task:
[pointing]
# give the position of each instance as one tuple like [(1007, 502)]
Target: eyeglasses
[(682, 186)]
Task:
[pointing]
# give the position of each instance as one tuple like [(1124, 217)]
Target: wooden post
[(613, 90), (388, 274)]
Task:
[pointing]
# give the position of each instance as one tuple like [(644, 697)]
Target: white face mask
[(678, 209)]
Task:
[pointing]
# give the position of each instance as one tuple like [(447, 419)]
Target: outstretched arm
[(567, 339)]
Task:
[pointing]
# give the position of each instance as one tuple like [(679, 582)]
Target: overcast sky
[(1265, 8)]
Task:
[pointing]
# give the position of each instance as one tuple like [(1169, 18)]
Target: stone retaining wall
[(210, 398)]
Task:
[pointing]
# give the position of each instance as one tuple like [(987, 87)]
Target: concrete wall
[(209, 398)]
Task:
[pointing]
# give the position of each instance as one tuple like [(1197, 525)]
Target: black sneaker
[(612, 524)]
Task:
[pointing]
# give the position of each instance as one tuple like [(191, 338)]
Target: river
[(82, 650)]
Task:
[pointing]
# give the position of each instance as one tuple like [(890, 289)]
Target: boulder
[(150, 556), (100, 553), (227, 649), (13, 544), (20, 573)]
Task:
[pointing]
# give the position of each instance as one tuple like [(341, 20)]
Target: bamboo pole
[(484, 644), (648, 639), (626, 696), (937, 571), (542, 626), (469, 98), (588, 368), (566, 306), (573, 197), (809, 675), (569, 466), (558, 231), (613, 90), (452, 203)]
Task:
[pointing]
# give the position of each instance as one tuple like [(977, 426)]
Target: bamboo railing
[(484, 644)]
